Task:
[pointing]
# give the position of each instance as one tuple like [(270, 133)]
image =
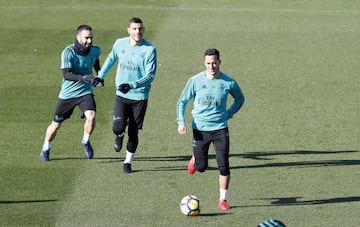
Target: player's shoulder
[(147, 49), (123, 40), (69, 49), (226, 77), (199, 76), (121, 43), (147, 44), (95, 49)]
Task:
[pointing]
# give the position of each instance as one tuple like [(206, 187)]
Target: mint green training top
[(136, 66), (80, 65), (210, 101)]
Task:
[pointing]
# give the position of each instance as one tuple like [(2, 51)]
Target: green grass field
[(295, 144)]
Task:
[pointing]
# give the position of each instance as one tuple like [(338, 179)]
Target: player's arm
[(68, 75), (66, 56), (97, 66), (109, 62), (239, 100), (186, 95), (97, 81), (150, 71)]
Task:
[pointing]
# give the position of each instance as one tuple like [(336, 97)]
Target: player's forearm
[(68, 75), (108, 64), (235, 107), (150, 72), (144, 81), (180, 111), (97, 66)]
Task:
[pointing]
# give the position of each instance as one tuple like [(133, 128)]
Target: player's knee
[(55, 125), (118, 127), (201, 166), (224, 171), (90, 115)]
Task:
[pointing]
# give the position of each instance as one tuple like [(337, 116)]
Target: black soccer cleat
[(118, 143), (127, 168)]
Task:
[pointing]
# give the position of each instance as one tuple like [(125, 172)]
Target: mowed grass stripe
[(177, 8), (102, 194), (307, 6), (289, 143)]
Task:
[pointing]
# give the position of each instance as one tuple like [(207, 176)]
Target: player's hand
[(88, 79), (98, 82), (124, 88), (182, 129)]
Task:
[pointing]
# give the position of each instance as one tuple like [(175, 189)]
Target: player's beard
[(81, 49)]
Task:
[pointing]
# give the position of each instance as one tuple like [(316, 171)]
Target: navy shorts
[(65, 107), (130, 111), (201, 144)]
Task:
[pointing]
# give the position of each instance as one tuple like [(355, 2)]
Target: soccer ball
[(190, 205)]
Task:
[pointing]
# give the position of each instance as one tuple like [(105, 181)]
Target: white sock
[(46, 145), (85, 138), (129, 157), (223, 193)]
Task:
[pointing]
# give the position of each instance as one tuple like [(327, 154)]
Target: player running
[(77, 63), (135, 73), (209, 90)]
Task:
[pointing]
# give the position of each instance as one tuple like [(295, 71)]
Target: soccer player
[(77, 63), (137, 63), (210, 89)]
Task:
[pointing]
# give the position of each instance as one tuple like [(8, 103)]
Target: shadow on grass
[(320, 163), (252, 155), (266, 155), (66, 158), (167, 158), (27, 201), (296, 201), (259, 156), (107, 159), (213, 214)]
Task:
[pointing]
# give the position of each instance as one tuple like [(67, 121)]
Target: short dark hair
[(83, 27), (135, 20), (212, 51)]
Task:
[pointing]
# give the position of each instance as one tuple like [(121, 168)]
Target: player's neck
[(135, 43), (212, 76)]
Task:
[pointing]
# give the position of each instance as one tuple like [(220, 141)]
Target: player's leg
[(201, 144), (50, 134), (221, 144), (89, 126), (136, 120), (224, 189), (87, 106), (63, 111), (120, 119), (131, 146)]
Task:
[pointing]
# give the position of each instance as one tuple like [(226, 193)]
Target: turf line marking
[(312, 11)]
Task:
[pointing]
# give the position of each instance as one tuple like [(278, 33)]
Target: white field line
[(312, 11)]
